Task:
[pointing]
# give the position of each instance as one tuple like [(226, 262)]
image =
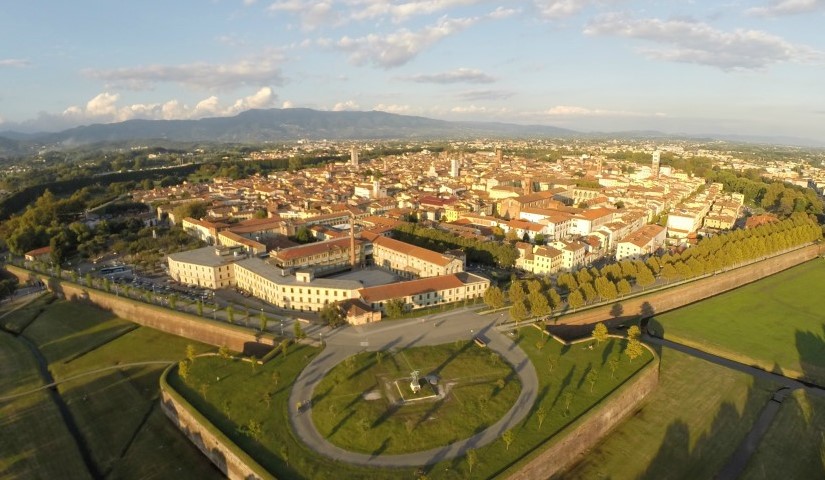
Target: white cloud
[(14, 63), (264, 70), (400, 12), (313, 13), (502, 12), (288, 104), (786, 7), (263, 98), (558, 9), (400, 47), (459, 75), (474, 95), (345, 106), (392, 108), (575, 111), (695, 42), (475, 109), (104, 108)]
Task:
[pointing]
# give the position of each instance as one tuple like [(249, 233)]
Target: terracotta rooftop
[(382, 293), (314, 248)]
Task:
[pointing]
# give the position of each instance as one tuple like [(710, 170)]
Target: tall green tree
[(494, 297)]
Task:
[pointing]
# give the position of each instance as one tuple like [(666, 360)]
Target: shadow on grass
[(608, 349), (382, 448), (341, 423), (811, 349), (564, 384)]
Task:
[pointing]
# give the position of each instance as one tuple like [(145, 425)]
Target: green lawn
[(776, 323), (66, 329), (794, 446), (235, 394), (482, 388), (240, 396), (689, 427), (110, 407), (34, 441), (25, 315), (116, 409), (566, 375)]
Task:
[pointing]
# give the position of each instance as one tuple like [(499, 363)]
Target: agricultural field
[(112, 400), (776, 323), (688, 428), (794, 446), (364, 394)]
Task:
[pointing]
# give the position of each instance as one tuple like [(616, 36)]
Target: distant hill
[(255, 126), (273, 125)]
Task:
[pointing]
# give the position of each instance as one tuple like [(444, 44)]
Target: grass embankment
[(775, 323), (34, 441), (240, 396), (115, 409), (480, 386), (794, 446), (25, 311), (688, 428)]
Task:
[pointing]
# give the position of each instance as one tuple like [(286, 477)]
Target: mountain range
[(274, 125)]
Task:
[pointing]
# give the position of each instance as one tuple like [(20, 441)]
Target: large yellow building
[(410, 261), (208, 267)]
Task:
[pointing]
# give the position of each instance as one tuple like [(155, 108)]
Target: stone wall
[(577, 439), (166, 320), (692, 291), (227, 456)]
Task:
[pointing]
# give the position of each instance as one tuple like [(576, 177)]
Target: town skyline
[(748, 68)]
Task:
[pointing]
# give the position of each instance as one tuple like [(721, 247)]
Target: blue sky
[(746, 67)]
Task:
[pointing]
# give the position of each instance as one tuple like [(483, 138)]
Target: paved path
[(399, 335), (739, 460), (741, 367)]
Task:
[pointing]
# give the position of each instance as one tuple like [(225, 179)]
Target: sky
[(753, 67)]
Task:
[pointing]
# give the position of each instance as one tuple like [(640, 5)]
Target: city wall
[(691, 291), (585, 433), (227, 456), (185, 325)]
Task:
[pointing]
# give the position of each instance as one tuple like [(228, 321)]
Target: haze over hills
[(257, 126)]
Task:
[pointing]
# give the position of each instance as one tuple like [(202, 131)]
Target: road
[(400, 334)]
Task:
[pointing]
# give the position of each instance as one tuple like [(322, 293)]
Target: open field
[(34, 440), (794, 446), (481, 389), (775, 323), (689, 427), (116, 409)]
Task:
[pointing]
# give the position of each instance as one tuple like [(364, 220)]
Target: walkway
[(400, 335)]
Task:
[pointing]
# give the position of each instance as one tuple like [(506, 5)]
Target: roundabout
[(414, 399), (306, 392)]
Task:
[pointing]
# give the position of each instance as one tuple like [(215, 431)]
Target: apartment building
[(642, 242)]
